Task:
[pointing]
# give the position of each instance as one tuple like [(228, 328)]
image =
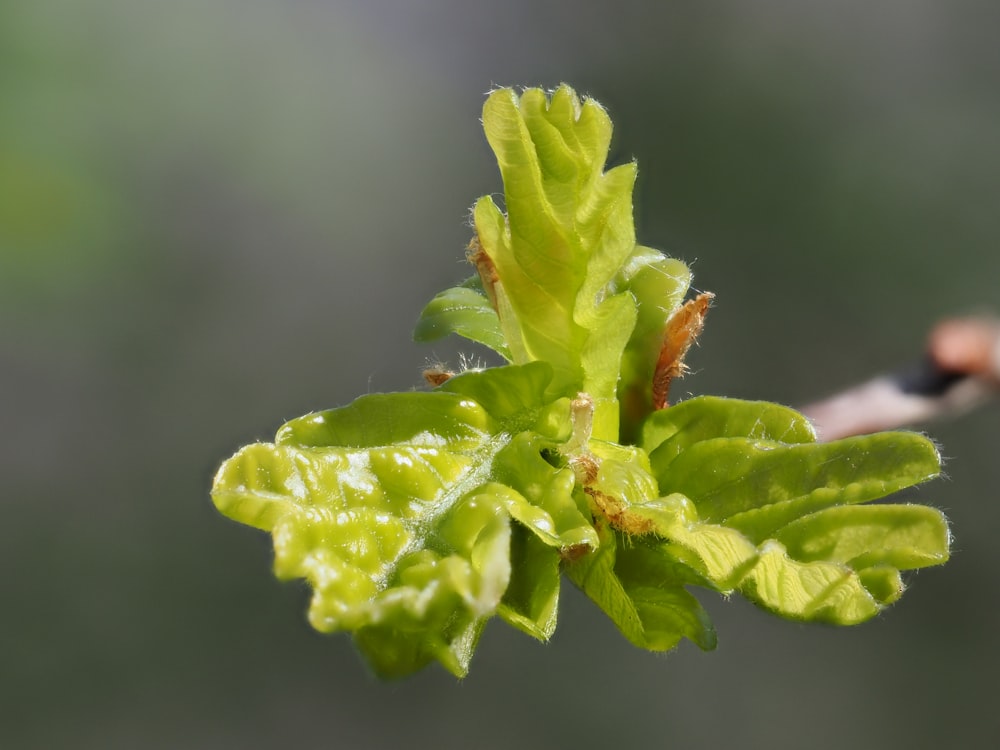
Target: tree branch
[(960, 371)]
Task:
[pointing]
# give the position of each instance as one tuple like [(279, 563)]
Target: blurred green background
[(217, 215)]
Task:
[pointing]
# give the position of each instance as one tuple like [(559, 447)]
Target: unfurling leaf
[(395, 510)]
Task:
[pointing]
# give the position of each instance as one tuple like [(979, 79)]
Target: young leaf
[(668, 432), (531, 601), (653, 617), (391, 508), (900, 536), (466, 311), (566, 235), (818, 590), (658, 285), (758, 486)]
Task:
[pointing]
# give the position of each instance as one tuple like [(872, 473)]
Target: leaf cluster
[(417, 517)]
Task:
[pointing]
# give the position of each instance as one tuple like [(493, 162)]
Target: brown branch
[(960, 371)]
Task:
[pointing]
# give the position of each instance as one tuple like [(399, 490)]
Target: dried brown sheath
[(681, 331)]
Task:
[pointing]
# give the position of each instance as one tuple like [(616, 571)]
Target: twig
[(960, 371)]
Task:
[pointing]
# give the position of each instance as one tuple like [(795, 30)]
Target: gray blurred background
[(217, 215)]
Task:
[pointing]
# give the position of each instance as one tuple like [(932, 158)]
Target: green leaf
[(391, 509), (722, 556), (753, 468), (566, 234), (510, 393), (884, 583), (544, 500), (668, 432), (655, 581), (818, 590), (465, 311), (625, 493), (532, 598), (658, 285), (652, 616), (758, 486), (389, 420), (901, 536), (439, 597)]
